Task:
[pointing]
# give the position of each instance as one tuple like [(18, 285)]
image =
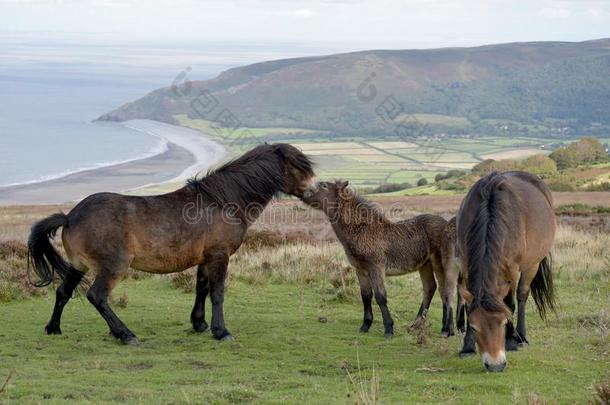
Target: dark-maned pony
[(505, 230), (201, 224)]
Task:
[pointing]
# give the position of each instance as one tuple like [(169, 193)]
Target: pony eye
[(474, 328)]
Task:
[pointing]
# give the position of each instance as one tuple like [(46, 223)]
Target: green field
[(232, 135), (368, 161), (283, 353)]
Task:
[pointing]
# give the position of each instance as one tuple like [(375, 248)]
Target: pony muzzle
[(494, 364), (312, 187)]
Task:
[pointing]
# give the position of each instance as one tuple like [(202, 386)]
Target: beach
[(188, 152)]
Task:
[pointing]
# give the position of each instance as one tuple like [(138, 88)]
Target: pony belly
[(398, 271), (162, 265)]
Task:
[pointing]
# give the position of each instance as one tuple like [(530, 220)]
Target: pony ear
[(279, 151), (345, 192), (466, 295)]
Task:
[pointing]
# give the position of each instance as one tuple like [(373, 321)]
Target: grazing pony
[(505, 230), (201, 224), (377, 247)]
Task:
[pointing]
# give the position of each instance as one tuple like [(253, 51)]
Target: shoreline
[(188, 152), (206, 151)]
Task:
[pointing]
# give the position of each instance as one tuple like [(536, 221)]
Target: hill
[(550, 88)]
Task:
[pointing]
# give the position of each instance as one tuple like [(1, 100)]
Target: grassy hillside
[(539, 88)]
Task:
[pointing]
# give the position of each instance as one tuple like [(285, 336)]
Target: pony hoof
[(464, 354), (200, 327), (52, 330), (524, 343), (364, 328), (388, 336), (227, 338), (130, 341), (447, 333)]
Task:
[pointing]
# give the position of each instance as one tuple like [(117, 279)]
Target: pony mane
[(359, 209), (255, 177), (486, 236)]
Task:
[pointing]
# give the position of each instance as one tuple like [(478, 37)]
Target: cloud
[(111, 4), (554, 12), (298, 13), (597, 12), (569, 8)]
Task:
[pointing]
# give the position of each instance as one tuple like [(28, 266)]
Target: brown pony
[(377, 247), (505, 230), (201, 224)]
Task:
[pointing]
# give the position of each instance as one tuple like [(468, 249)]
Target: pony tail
[(42, 256), (485, 239), (542, 288)]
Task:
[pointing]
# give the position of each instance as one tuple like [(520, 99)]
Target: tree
[(565, 158), (587, 150), (489, 165), (540, 165), (422, 182)]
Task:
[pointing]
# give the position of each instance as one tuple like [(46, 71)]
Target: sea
[(52, 89)]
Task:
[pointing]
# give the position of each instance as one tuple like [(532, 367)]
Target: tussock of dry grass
[(14, 281), (184, 281), (301, 263), (581, 255), (365, 391), (267, 257), (601, 392), (273, 257)]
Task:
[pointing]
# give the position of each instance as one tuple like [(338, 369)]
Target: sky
[(345, 24)]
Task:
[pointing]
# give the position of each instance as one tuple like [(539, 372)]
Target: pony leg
[(523, 292), (447, 279), (377, 279), (460, 314), (468, 349), (62, 296), (510, 342), (460, 311), (203, 287), (447, 321), (429, 288), (98, 296), (217, 273), (366, 292)]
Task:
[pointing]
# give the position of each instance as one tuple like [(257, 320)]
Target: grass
[(208, 128), (294, 308), (437, 119), (580, 208), (283, 353), (428, 189)]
